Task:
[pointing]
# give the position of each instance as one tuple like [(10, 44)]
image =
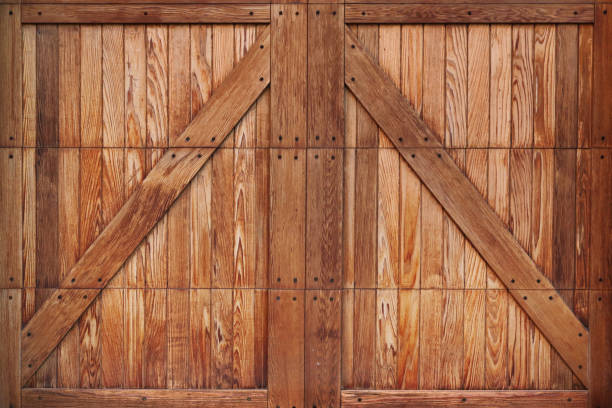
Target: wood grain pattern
[(11, 210), (544, 85), (29, 111), (178, 321), (408, 357), (91, 86), (601, 195), (135, 85), (599, 323), (324, 218), (287, 218), (325, 75), (501, 85), (112, 86), (522, 85), (199, 338), (564, 219), (322, 348), (157, 85), (430, 332), (144, 13), (357, 398), (135, 397), (479, 65), (388, 215), (70, 85), (476, 168), (386, 338), (368, 82), (222, 338), (455, 134), (112, 309), (367, 130), (11, 75), (566, 103), (468, 13), (243, 334), (10, 318), (286, 347), (364, 343), (47, 87), (585, 85), (389, 59), (602, 84), (474, 339), (288, 98)]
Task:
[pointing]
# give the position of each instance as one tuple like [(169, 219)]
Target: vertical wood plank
[(501, 85), (135, 87), (47, 210), (601, 241), (69, 85), (222, 219), (348, 221), (155, 360), (156, 247), (322, 348), (474, 339), (602, 83), (325, 75), (113, 106), (47, 86), (157, 85), (262, 221), (288, 96), (179, 225), (585, 84), (366, 183), (10, 320), (456, 85), (453, 269), (451, 344), (246, 129), (287, 218), (600, 326), (498, 196), (46, 376), (364, 343), (478, 87), (286, 348), (199, 338), (496, 356), (566, 103), (367, 130), (564, 219), (135, 168), (68, 223), (112, 309), (91, 86), (544, 85), (29, 84), (412, 65), (245, 213), (243, 334), (430, 332), (222, 338), (388, 216), (10, 75), (89, 352), (29, 218), (11, 208), (409, 228), (522, 85), (134, 337), (261, 338), (386, 338), (178, 338), (348, 338), (324, 218), (408, 339)]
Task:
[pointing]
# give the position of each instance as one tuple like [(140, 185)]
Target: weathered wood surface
[(63, 397), (145, 207), (10, 75), (477, 220), (355, 398), (468, 13), (144, 14)]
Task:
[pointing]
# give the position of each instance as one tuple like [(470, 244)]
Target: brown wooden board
[(10, 318), (144, 14), (10, 75), (602, 83), (468, 13)]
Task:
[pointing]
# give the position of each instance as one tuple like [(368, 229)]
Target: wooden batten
[(468, 13), (144, 13)]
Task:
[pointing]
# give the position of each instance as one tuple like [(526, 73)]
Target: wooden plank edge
[(144, 13), (439, 172), (425, 398), (468, 13), (103, 398), (93, 270)]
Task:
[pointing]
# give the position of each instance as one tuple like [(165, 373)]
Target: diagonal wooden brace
[(145, 207), (421, 148)]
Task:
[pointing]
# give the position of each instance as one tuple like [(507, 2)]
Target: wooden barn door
[(306, 205)]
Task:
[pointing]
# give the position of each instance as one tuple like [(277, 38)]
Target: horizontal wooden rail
[(466, 206), (144, 13), (144, 208), (489, 399), (125, 398), (469, 13)]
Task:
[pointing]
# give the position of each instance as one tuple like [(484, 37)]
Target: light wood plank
[(522, 85), (10, 75), (11, 210), (70, 85), (10, 319), (199, 338), (113, 106), (91, 86)]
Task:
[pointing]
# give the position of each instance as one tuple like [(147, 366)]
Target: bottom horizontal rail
[(389, 399), (127, 398)]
